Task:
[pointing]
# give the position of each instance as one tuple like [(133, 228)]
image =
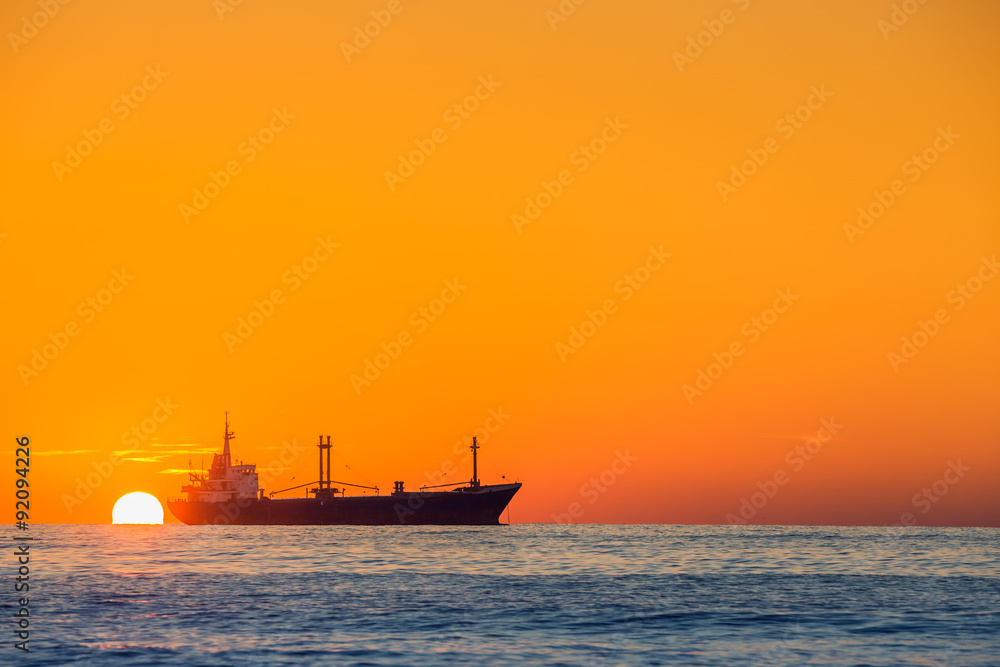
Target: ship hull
[(462, 507)]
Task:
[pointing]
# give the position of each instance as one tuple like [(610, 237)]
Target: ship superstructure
[(224, 481)]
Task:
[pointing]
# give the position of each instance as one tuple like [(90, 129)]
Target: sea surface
[(509, 595)]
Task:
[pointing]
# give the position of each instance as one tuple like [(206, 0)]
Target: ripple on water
[(695, 595)]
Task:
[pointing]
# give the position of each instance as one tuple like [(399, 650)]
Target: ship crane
[(325, 487)]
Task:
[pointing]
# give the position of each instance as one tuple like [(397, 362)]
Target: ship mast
[(475, 474), (225, 449), (326, 447)]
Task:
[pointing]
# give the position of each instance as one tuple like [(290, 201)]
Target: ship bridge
[(224, 481)]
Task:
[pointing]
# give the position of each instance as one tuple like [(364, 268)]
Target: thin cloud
[(151, 452), (144, 459)]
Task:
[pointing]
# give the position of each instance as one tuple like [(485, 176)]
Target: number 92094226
[(22, 465)]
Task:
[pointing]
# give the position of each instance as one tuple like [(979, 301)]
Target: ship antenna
[(475, 474)]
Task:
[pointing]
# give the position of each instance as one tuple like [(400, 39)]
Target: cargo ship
[(230, 494)]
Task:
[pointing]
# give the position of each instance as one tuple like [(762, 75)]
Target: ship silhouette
[(230, 494)]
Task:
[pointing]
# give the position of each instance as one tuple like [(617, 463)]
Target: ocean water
[(521, 594)]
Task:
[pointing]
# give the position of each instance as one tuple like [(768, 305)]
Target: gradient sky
[(666, 121)]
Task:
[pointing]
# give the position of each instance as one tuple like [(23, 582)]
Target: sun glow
[(137, 507)]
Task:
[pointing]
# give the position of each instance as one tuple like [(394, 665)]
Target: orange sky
[(221, 159)]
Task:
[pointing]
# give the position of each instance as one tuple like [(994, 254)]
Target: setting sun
[(137, 507)]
